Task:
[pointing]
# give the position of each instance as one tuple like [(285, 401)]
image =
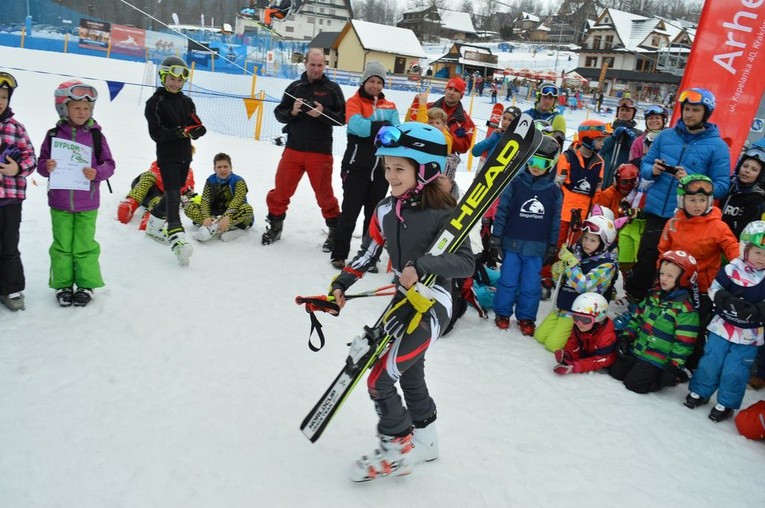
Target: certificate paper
[(70, 159)]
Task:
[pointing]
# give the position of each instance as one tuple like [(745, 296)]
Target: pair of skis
[(517, 145)]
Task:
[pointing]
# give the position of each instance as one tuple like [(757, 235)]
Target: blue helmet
[(699, 96), (420, 142)]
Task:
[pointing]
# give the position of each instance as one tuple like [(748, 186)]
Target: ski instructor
[(310, 108)]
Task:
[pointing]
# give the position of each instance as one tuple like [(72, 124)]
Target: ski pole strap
[(313, 304)]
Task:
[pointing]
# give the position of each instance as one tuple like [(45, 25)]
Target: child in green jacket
[(661, 333)]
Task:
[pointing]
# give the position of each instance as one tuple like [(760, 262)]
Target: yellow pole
[(259, 120), (472, 140), (23, 36), (109, 48), (254, 83), (66, 42)]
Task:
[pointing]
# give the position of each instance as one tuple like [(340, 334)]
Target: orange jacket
[(572, 163), (705, 237), (610, 198)]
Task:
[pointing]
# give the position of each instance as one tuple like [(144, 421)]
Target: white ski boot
[(206, 233), (232, 234), (156, 229), (425, 441), (393, 457), (181, 248)]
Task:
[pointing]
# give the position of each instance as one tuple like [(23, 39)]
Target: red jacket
[(592, 350), (457, 120), (189, 185)]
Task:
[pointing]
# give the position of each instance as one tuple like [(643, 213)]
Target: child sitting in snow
[(590, 268), (736, 328), (661, 333), (592, 343)]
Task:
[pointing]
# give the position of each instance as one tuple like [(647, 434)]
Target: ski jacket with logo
[(594, 349), (365, 115), (703, 153), (582, 183), (528, 216), (742, 281), (78, 200), (705, 237), (13, 133), (742, 205), (664, 327), (407, 241), (304, 132)]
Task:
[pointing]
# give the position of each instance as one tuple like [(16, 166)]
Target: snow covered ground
[(186, 386)]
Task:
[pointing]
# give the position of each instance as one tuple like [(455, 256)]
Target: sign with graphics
[(94, 34), (128, 40)]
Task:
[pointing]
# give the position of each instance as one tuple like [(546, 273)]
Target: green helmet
[(753, 234), (695, 184)]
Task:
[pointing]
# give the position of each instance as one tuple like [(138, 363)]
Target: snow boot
[(425, 441), (502, 322), (14, 301), (156, 229), (206, 233), (83, 296), (547, 288), (180, 247), (694, 400), (329, 243), (720, 413), (126, 209), (65, 297), (338, 263), (527, 327), (393, 457), (274, 229), (144, 221), (232, 234)]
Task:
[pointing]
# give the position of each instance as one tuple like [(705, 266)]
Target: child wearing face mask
[(697, 228), (745, 201), (736, 328), (660, 335)]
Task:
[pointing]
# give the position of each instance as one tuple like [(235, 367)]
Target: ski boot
[(694, 400), (65, 297), (180, 247), (206, 233), (547, 288), (527, 327), (126, 209), (274, 228), (338, 263), (156, 229), (392, 457), (720, 413), (502, 322), (231, 234), (425, 441), (14, 301), (329, 243), (82, 297)]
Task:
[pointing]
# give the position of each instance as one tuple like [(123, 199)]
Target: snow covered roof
[(457, 21), (530, 17), (633, 30), (387, 39), (543, 28)]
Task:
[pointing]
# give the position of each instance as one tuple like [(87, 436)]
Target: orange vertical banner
[(727, 58)]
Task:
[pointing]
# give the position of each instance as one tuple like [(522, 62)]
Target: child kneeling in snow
[(592, 343)]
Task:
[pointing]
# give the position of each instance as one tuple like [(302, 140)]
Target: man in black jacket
[(311, 107)]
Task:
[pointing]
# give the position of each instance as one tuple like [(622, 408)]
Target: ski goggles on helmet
[(626, 103), (755, 153), (540, 163), (178, 71), (7, 81), (591, 227), (654, 110), (79, 92), (583, 319), (756, 239), (692, 96), (549, 90), (391, 136), (699, 187)]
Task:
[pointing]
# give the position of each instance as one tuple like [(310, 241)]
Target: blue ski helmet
[(418, 141)]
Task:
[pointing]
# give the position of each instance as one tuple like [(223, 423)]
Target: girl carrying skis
[(406, 223)]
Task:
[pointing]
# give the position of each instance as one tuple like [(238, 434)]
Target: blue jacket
[(547, 191), (487, 145), (705, 153)]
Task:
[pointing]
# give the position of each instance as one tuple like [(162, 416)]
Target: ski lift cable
[(221, 56)]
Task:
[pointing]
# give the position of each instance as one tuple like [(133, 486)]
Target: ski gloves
[(568, 259), (495, 248), (10, 151), (405, 315), (565, 363), (737, 311), (624, 130), (194, 128)]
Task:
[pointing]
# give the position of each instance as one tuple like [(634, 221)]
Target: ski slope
[(185, 387)]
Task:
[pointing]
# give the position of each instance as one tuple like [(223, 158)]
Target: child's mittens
[(557, 270), (563, 356), (195, 131), (568, 259), (562, 369), (10, 151)]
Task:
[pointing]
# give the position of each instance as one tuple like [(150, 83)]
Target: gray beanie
[(373, 68)]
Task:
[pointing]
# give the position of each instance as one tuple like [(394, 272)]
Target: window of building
[(609, 42), (289, 28), (311, 20), (644, 65), (321, 9), (596, 42), (329, 22), (609, 60), (591, 61), (321, 21)]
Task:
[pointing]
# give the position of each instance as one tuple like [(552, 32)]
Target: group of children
[(221, 210)]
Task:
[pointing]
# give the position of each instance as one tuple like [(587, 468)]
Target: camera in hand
[(672, 170)]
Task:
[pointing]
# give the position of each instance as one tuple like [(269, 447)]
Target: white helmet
[(603, 211), (601, 226), (753, 234), (590, 304)]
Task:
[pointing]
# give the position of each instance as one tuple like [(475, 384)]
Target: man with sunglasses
[(616, 148), (692, 146), (310, 108), (544, 109)]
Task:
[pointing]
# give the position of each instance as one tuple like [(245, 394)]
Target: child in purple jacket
[(74, 252)]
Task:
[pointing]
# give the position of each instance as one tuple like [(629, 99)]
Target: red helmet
[(589, 131), (687, 264), (626, 177)]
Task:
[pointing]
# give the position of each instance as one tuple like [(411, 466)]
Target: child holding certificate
[(76, 150)]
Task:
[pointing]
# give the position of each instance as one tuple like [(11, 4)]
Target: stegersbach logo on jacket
[(532, 209), (583, 186)]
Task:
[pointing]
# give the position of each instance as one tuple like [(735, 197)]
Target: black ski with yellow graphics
[(514, 148)]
